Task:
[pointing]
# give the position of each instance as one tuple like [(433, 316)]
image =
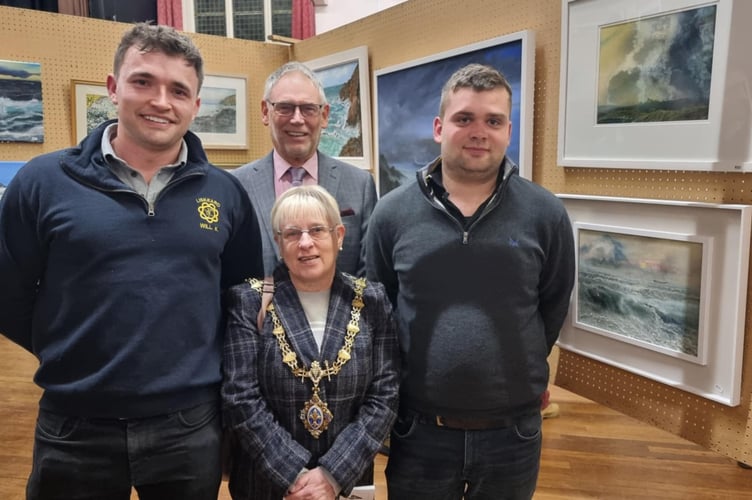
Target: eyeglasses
[(308, 110), (291, 234)]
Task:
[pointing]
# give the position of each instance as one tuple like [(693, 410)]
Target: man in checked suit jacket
[(295, 109)]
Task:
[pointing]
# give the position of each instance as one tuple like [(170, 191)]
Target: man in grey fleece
[(479, 265)]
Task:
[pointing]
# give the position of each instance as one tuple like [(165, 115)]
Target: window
[(246, 19)]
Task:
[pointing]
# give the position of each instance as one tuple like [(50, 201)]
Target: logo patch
[(208, 212)]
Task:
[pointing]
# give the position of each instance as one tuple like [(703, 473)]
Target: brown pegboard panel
[(419, 28)]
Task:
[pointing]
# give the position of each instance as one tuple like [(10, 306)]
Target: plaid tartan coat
[(262, 400)]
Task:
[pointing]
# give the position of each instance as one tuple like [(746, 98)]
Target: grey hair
[(292, 67), (308, 199), (478, 77)]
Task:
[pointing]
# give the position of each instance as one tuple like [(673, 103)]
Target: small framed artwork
[(345, 78), (408, 96), (656, 85), (661, 290), (222, 121), (90, 106)]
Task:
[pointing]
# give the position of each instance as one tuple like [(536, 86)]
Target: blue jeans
[(428, 462), (174, 456)]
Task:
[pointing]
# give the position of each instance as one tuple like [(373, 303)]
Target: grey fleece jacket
[(479, 305)]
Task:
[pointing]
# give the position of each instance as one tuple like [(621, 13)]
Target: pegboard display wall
[(76, 48), (420, 28)]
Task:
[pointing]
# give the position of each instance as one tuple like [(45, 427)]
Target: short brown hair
[(479, 77), (148, 37)]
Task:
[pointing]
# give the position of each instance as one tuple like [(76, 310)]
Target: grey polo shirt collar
[(132, 177)]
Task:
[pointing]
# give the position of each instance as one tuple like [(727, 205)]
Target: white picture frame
[(601, 69), (407, 96), (347, 141), (716, 373), (222, 120)]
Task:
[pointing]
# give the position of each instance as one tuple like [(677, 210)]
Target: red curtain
[(303, 19), (170, 13), (74, 7)]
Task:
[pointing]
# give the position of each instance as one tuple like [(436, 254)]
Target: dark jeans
[(175, 456), (428, 462)]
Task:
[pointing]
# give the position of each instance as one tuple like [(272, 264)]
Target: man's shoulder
[(326, 161), (250, 168)]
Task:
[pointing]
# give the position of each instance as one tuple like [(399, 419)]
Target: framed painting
[(222, 121), (90, 106), (7, 170), (21, 110), (345, 78), (655, 85), (408, 96), (646, 288), (661, 290)]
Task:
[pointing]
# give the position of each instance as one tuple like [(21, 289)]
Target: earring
[(340, 248)]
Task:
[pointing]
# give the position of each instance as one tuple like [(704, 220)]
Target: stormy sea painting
[(642, 288), (408, 100), (657, 69), (343, 137), (21, 117)]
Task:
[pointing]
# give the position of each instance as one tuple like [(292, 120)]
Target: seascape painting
[(217, 112), (21, 116), (221, 122), (657, 69), (641, 289), (408, 100), (343, 136)]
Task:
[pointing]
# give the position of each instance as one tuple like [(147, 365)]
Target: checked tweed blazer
[(353, 188), (262, 399)]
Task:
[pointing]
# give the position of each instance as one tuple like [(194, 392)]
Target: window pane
[(282, 17), (248, 19), (210, 17)]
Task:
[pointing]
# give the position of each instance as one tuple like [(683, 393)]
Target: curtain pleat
[(170, 13), (303, 19)]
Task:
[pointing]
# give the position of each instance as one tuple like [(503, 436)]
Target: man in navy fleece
[(113, 257)]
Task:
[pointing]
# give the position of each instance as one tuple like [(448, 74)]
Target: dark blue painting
[(408, 98)]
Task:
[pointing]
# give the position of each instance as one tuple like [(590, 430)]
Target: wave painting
[(657, 69), (21, 118), (644, 288)]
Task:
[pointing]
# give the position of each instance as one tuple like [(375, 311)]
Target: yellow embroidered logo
[(208, 211)]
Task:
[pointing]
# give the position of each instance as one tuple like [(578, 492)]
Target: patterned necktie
[(297, 174)]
